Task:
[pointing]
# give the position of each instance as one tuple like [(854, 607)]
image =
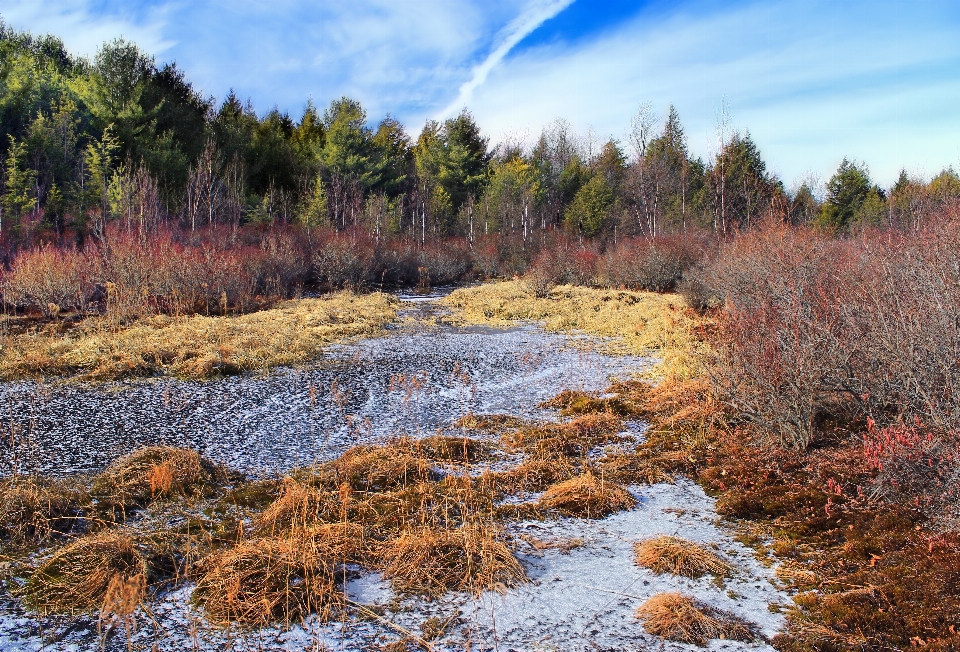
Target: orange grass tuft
[(268, 580), (150, 473), (666, 554), (35, 509), (77, 578), (587, 496), (683, 619), (431, 561)]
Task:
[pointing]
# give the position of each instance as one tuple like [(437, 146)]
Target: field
[(492, 466)]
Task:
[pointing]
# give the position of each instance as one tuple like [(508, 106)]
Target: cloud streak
[(510, 36)]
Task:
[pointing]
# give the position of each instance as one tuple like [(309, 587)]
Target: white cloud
[(872, 85), (510, 36), (84, 31)]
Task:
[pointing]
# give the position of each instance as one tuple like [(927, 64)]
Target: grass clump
[(433, 561), (382, 468), (641, 322), (76, 579), (199, 347), (496, 423), (35, 509), (587, 496), (680, 618), (537, 473), (298, 506), (667, 554), (459, 450), (267, 580), (151, 473)]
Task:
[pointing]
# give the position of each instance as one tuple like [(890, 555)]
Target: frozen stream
[(584, 585), (419, 378)]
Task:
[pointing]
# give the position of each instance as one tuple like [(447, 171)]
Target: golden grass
[(198, 347), (642, 322), (77, 578), (683, 619), (667, 554), (35, 509), (454, 450), (152, 472), (380, 468), (537, 473), (587, 496), (433, 561), (299, 506), (496, 423), (266, 580)]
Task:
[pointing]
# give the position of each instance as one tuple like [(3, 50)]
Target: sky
[(877, 82)]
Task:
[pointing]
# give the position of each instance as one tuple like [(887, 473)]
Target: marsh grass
[(35, 510), (77, 577), (587, 496), (433, 561), (683, 619), (669, 554), (196, 347), (639, 323)]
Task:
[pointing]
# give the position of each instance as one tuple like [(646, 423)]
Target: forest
[(96, 150)]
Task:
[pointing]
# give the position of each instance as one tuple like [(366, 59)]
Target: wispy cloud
[(812, 81), (510, 36), (84, 30)]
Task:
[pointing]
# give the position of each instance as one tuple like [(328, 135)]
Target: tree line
[(122, 139)]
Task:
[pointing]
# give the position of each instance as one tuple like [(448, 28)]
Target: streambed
[(419, 378)]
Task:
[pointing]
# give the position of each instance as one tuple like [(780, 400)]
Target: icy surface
[(584, 586), (583, 592), (411, 382)]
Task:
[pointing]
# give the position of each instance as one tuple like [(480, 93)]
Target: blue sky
[(813, 81)]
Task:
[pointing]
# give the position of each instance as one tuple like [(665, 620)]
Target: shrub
[(652, 265), (50, 280)]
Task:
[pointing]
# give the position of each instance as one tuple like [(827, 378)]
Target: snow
[(584, 585)]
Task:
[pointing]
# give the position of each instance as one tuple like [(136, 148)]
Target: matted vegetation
[(197, 347), (640, 323), (681, 618), (37, 509), (669, 554), (587, 496), (151, 473), (434, 561), (77, 578), (262, 581)]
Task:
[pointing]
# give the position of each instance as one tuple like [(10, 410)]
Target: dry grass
[(78, 577), (683, 619), (537, 473), (35, 509), (198, 347), (587, 496), (667, 554), (495, 423), (458, 450), (381, 468), (299, 506), (430, 561), (267, 580), (642, 322), (151, 473)]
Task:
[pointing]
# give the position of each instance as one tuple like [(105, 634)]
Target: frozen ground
[(584, 586), (584, 589), (420, 378)]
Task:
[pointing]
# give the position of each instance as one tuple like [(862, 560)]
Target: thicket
[(824, 340)]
